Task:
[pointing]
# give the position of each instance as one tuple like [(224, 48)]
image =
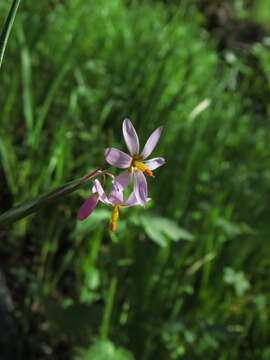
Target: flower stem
[(104, 329), (35, 204)]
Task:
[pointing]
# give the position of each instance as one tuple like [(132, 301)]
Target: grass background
[(186, 278)]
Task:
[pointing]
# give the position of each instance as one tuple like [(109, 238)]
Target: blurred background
[(186, 278)]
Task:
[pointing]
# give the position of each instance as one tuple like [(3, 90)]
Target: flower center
[(115, 217), (140, 166)]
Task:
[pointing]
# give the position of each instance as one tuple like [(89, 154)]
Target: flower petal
[(87, 207), (131, 201), (140, 187), (117, 158), (151, 142), (131, 137), (116, 196), (154, 163), (102, 196), (121, 181)]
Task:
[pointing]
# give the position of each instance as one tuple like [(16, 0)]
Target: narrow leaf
[(7, 28)]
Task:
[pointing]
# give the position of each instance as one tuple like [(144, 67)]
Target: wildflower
[(90, 204), (116, 200), (135, 162)]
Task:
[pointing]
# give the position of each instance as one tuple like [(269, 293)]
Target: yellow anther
[(148, 172), (141, 167)]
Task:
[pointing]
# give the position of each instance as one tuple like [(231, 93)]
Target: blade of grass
[(9, 162), (105, 326), (52, 91), (26, 71), (7, 28)]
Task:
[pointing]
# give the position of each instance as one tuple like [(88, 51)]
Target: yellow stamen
[(141, 167), (115, 217)]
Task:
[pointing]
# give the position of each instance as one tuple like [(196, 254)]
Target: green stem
[(7, 28), (33, 205), (104, 329)]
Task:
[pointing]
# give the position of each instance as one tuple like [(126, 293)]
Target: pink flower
[(116, 200), (90, 204), (135, 162)]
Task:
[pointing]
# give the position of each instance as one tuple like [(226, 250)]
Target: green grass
[(185, 278)]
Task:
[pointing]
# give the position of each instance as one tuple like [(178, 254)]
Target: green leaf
[(91, 283), (7, 28), (105, 350), (231, 230), (97, 217), (9, 162), (237, 279), (161, 229)]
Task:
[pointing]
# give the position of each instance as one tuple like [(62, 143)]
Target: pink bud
[(87, 207)]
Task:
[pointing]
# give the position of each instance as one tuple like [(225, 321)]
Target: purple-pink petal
[(151, 142), (121, 181), (87, 207), (116, 197), (154, 163), (131, 201), (131, 137), (117, 158), (102, 196), (140, 187)]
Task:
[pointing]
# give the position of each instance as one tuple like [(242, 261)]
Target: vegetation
[(187, 277)]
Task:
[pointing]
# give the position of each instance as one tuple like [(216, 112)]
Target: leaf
[(154, 233), (91, 283), (174, 231), (9, 162), (231, 229), (105, 350), (161, 229), (237, 279), (83, 227), (7, 28)]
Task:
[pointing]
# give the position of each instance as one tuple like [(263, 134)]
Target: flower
[(135, 162), (90, 204), (116, 200)]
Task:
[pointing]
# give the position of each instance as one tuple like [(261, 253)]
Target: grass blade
[(7, 28)]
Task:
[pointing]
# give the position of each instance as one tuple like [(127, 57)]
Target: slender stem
[(33, 205), (7, 28), (104, 329)]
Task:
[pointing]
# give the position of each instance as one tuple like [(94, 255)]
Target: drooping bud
[(87, 207)]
